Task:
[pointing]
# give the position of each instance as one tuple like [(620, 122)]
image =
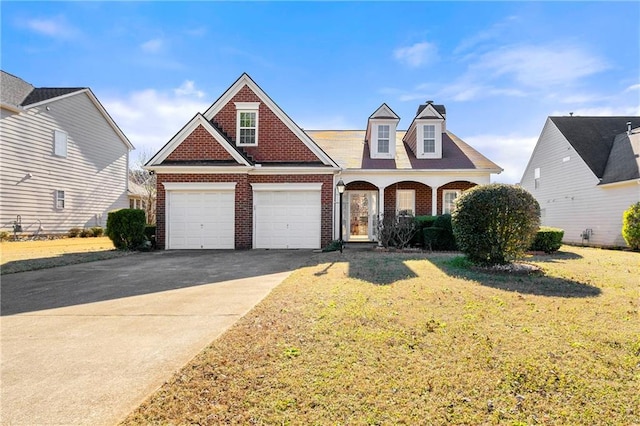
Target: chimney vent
[(628, 127), (570, 114)]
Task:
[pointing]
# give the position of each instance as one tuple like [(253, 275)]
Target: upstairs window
[(429, 139), (383, 138), (247, 123), (536, 177), (406, 202), (59, 143)]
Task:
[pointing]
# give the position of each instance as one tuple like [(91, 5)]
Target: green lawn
[(371, 338)]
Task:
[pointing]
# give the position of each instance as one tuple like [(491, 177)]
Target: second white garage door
[(287, 218)]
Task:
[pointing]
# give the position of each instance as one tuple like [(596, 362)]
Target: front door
[(361, 215)]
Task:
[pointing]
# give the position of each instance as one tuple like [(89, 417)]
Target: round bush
[(547, 239), (495, 224), (125, 228), (631, 226)]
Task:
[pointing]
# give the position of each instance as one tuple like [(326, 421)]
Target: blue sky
[(500, 68)]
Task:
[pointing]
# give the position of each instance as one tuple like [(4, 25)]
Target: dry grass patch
[(387, 338), (20, 256)]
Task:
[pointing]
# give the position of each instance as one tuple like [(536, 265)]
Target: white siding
[(93, 174), (569, 195)]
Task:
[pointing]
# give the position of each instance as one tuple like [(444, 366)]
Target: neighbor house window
[(247, 123), (383, 138), (536, 177), (406, 202), (59, 143), (429, 139), (59, 199), (448, 200)]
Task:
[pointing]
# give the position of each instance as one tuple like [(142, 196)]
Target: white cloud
[(633, 87), (188, 88), (417, 55), (152, 46), (151, 117), (540, 66), (511, 152), (56, 27)]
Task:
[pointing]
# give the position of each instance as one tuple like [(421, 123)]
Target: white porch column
[(381, 201), (434, 201)]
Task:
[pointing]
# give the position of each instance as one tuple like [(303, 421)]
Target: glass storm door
[(361, 216)]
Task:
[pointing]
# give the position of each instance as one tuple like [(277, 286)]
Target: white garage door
[(287, 219), (201, 220)]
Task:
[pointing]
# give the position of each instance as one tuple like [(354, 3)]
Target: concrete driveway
[(86, 344)]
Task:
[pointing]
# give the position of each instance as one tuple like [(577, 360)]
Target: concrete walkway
[(86, 344)]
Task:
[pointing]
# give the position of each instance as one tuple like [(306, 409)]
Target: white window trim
[(444, 199), (413, 200), (60, 143), (246, 107), (420, 138), (374, 139), (58, 199)]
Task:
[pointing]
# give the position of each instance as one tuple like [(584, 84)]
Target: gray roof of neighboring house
[(17, 92), (349, 150), (624, 160), (603, 144)]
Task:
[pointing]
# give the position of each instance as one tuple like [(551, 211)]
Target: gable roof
[(187, 129), (350, 151), (440, 109), (245, 80), (624, 160), (593, 139), (20, 95), (384, 112)]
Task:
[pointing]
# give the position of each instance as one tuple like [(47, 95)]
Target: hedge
[(126, 228), (547, 239)]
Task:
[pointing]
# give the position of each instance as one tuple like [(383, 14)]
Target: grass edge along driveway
[(391, 338)]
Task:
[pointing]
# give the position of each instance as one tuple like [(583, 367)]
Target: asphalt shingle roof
[(17, 92), (348, 149), (594, 138)]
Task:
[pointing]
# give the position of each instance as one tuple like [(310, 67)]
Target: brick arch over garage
[(461, 185), (422, 193)]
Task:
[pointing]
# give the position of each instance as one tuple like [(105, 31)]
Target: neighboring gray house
[(63, 160), (585, 172)]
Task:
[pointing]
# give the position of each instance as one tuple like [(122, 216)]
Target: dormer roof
[(384, 112), (430, 110)]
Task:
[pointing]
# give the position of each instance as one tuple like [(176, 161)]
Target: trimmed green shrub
[(74, 232), (547, 239), (496, 223), (446, 240), (631, 226), (126, 228), (86, 233), (334, 245), (97, 231), (422, 222), (430, 237)]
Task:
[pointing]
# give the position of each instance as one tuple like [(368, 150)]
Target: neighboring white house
[(63, 160), (585, 172)]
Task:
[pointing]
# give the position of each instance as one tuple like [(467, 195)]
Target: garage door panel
[(287, 219), (202, 219)]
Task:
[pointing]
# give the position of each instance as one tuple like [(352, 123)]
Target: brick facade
[(276, 142), (461, 185), (199, 145), (244, 201)]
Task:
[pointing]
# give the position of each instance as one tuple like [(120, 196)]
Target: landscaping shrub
[(422, 222), (547, 239), (446, 240), (97, 231), (334, 245), (74, 232), (396, 231), (631, 226), (87, 233), (4, 236), (150, 233), (496, 223), (126, 228)]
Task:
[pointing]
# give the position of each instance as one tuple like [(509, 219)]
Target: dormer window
[(247, 123), (381, 133), (383, 139), (429, 140)]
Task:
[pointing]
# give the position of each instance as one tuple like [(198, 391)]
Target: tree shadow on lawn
[(536, 283), (382, 269)]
